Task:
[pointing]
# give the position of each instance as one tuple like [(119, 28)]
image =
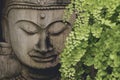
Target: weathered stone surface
[(35, 33)]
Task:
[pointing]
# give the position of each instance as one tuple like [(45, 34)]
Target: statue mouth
[(44, 59)]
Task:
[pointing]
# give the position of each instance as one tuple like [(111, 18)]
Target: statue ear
[(5, 48), (9, 65), (5, 29)]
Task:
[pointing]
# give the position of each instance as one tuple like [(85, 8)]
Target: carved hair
[(36, 4)]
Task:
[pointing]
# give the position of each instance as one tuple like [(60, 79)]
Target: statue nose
[(43, 44)]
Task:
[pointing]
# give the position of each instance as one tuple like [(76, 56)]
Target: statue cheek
[(58, 41), (22, 41)]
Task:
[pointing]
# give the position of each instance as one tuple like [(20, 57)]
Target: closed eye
[(57, 28), (28, 27), (28, 30)]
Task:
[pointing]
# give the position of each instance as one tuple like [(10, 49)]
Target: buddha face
[(38, 36)]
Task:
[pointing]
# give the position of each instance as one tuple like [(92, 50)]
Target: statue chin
[(42, 74)]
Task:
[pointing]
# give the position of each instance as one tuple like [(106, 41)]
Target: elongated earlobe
[(9, 65), (5, 48)]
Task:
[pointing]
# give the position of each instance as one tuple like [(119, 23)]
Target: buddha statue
[(34, 33)]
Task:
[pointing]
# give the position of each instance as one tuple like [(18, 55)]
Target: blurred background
[(1, 4)]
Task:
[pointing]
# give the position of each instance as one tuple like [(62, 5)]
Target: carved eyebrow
[(47, 25), (58, 21), (28, 22)]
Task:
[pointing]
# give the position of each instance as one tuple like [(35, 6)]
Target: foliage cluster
[(93, 47)]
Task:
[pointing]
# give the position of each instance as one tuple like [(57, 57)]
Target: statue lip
[(43, 59)]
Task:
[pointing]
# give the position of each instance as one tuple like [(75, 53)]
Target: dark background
[(1, 4)]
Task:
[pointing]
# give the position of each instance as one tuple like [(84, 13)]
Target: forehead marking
[(42, 15)]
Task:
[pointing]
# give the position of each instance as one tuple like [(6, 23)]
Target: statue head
[(36, 30)]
